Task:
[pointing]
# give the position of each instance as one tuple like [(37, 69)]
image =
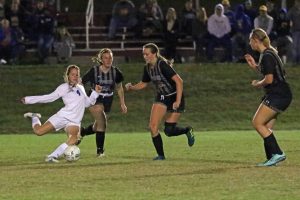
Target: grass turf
[(221, 165)]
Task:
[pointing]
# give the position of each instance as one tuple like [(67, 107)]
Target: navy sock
[(271, 145), (100, 137), (171, 129), (158, 144), (87, 131)]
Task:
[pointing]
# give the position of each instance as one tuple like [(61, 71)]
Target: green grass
[(218, 97), (221, 165)]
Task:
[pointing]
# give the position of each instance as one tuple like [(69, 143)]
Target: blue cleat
[(276, 158), (159, 158), (191, 137)]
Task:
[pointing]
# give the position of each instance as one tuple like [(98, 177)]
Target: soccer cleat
[(100, 155), (51, 160), (31, 115), (159, 158), (190, 136), (276, 158)]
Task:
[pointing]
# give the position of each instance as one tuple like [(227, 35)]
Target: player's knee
[(39, 132), (153, 128), (169, 129)]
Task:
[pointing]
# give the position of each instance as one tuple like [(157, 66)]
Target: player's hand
[(254, 83), (98, 88), (128, 86), (176, 105), (23, 100), (250, 60), (123, 108)]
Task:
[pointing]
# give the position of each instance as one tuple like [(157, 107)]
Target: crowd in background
[(36, 21), (228, 27)]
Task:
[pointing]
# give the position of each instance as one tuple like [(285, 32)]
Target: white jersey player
[(69, 117)]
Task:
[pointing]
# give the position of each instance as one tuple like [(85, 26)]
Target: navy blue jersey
[(106, 80), (270, 63), (161, 76)]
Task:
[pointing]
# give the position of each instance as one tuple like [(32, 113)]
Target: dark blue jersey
[(161, 76)]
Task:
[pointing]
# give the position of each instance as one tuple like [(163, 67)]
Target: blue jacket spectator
[(243, 28), (123, 15), (250, 11)]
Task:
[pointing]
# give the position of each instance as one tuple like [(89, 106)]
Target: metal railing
[(89, 20)]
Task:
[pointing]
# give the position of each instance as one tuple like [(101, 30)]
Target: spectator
[(250, 11), (230, 14), (284, 40), (187, 18), (171, 31), (5, 41), (63, 45), (62, 18), (243, 28), (45, 31), (200, 32), (219, 28), (264, 21), (294, 16), (151, 17), (3, 9), (18, 46), (123, 15)]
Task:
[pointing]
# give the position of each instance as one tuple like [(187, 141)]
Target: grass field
[(221, 165), (218, 97)]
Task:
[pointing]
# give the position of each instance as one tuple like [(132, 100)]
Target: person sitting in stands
[(123, 15)]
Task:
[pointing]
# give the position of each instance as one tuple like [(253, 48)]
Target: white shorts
[(61, 122)]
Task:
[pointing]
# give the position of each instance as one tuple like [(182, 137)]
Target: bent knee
[(39, 132)]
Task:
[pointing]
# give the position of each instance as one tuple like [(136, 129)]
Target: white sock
[(35, 121), (59, 151)]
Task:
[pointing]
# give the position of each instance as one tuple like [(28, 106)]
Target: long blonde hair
[(263, 37), (68, 70), (155, 50), (98, 57)]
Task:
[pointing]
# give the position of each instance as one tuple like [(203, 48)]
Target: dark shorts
[(276, 102), (169, 100), (106, 102)]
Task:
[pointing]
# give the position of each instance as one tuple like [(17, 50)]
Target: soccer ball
[(72, 153)]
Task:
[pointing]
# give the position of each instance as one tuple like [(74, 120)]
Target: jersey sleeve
[(268, 63), (146, 78), (119, 76), (88, 76), (59, 92), (167, 70)]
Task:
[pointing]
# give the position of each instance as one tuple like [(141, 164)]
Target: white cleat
[(31, 115), (51, 160), (100, 155)]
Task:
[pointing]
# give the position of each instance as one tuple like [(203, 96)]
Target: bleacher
[(124, 45)]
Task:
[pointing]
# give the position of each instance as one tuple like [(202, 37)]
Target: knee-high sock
[(158, 144), (59, 151), (87, 131), (100, 138), (271, 146)]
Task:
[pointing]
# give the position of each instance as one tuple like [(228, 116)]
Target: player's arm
[(119, 88), (139, 86), (179, 88)]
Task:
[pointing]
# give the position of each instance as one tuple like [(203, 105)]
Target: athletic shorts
[(169, 100), (106, 102), (61, 122), (277, 103)]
